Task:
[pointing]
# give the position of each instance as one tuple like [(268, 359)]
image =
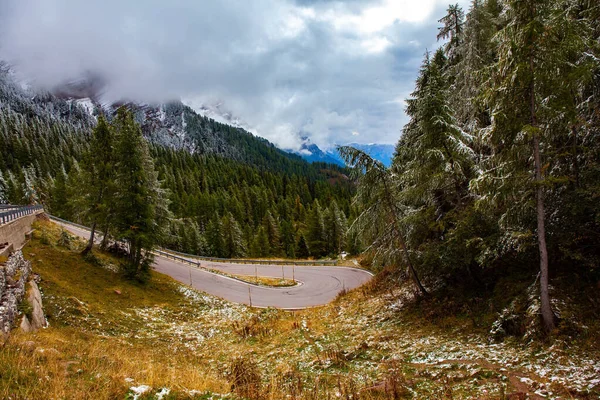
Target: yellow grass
[(165, 335)]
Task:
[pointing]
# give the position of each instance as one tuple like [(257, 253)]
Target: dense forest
[(230, 193), (498, 169)]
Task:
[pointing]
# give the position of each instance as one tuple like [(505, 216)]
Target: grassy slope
[(100, 344)]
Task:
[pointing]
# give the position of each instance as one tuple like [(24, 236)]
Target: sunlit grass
[(108, 335)]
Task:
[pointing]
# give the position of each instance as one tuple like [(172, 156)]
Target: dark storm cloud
[(337, 71)]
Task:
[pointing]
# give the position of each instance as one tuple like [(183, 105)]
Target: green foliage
[(65, 239), (140, 203), (462, 192)]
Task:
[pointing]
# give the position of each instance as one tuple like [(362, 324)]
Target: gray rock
[(34, 297)]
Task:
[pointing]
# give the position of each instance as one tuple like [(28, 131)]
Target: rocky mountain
[(312, 153), (171, 124)]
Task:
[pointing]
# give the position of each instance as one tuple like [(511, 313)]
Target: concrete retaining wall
[(14, 232)]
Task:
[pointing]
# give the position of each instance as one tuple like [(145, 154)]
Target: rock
[(29, 346), (34, 297), (25, 325)]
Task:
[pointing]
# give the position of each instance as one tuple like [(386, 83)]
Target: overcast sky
[(336, 71)]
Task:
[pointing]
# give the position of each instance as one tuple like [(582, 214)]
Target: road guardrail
[(10, 213), (186, 257)]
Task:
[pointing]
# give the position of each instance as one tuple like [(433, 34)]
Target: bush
[(245, 378), (64, 240)]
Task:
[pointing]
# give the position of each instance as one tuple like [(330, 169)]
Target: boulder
[(34, 297)]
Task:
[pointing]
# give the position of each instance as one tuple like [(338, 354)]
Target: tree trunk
[(547, 314), (546, 307), (90, 244), (411, 268), (104, 243)]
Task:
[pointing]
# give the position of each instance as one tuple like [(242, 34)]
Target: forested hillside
[(231, 194), (498, 171)]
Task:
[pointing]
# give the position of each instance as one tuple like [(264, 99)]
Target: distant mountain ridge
[(312, 153)]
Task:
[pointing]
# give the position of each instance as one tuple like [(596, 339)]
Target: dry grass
[(366, 345), (265, 280)]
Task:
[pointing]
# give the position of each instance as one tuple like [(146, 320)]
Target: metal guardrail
[(13, 212), (249, 261), (186, 257)]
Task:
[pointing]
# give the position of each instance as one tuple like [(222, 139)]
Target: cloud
[(325, 69)]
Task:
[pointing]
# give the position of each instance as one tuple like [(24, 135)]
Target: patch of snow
[(139, 390), (163, 392), (87, 105)]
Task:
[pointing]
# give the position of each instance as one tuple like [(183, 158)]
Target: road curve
[(320, 285)]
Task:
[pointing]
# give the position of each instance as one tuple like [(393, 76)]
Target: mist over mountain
[(331, 70)]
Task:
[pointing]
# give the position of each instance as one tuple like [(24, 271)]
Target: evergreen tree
[(452, 29), (316, 238), (59, 203), (140, 209), (30, 191), (215, 237), (335, 227), (288, 239), (98, 179), (234, 245), (272, 230), (539, 68), (302, 248), (260, 245), (3, 190), (379, 223)]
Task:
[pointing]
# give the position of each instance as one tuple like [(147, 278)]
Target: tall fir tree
[(98, 179), (141, 206), (234, 244)]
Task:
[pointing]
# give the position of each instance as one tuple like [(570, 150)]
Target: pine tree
[(452, 29), (379, 223), (30, 191), (141, 207), (98, 179), (215, 237), (288, 239), (316, 238), (3, 190), (335, 227), (260, 246), (234, 245), (272, 230), (59, 203), (541, 65), (302, 250)]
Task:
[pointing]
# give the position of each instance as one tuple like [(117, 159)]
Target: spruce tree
[(302, 250), (234, 245), (98, 179), (539, 69), (316, 237), (3, 190), (141, 207), (380, 221), (215, 237)]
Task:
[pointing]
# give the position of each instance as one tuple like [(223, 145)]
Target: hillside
[(211, 171), (372, 343)]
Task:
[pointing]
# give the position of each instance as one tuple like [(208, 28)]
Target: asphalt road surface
[(317, 285)]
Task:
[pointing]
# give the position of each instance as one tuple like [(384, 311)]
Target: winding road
[(318, 285)]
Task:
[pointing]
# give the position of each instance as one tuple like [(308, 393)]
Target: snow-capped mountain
[(171, 124), (312, 153)]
